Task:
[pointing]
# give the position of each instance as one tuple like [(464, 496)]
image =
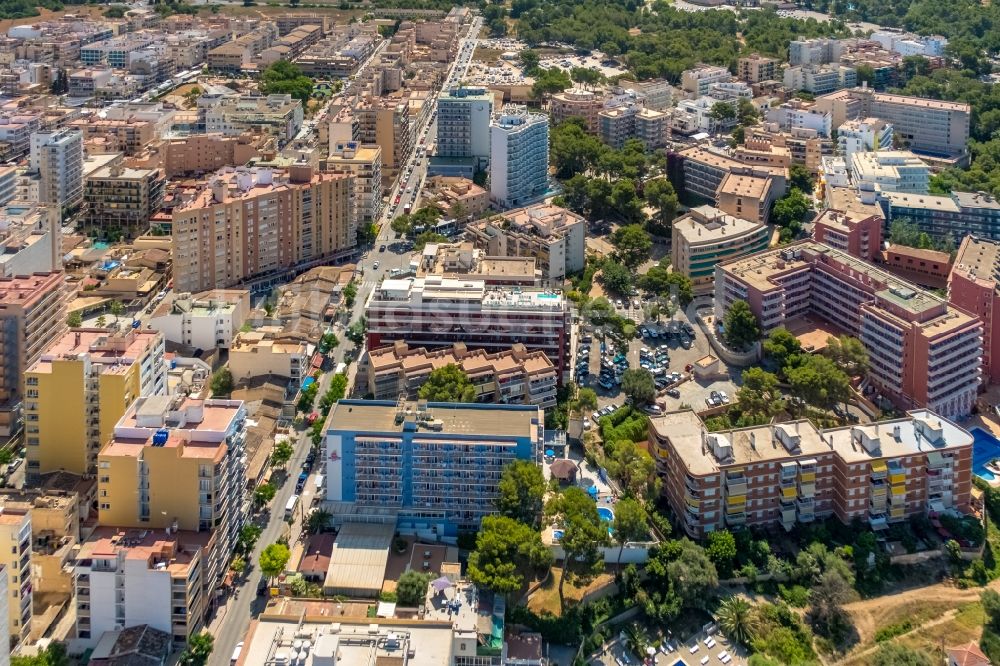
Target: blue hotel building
[(434, 467)]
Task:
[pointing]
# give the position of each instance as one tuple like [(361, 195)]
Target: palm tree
[(319, 520), (636, 639), (736, 618)]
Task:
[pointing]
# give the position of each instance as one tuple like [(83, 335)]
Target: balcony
[(736, 484)]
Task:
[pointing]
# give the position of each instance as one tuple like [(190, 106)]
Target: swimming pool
[(606, 514), (557, 535), (985, 447)]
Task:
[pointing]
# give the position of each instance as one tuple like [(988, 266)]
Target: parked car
[(673, 393), (723, 397)]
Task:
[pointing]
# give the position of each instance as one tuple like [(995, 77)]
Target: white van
[(293, 502), (236, 653)]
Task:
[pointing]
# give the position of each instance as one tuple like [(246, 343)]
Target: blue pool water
[(606, 514), (557, 535), (545, 296), (985, 447), (101, 245)]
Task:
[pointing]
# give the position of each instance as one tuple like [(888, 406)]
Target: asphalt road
[(232, 620)]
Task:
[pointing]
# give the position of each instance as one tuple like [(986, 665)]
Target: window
[(105, 506)]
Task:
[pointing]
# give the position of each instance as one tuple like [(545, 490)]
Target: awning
[(935, 459), (879, 466), (317, 361)]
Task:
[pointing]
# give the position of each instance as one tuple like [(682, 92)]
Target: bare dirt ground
[(88, 11)]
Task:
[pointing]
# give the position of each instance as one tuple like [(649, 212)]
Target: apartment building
[(957, 215), (33, 314), (433, 312), (121, 197), (652, 128), (177, 462), (698, 81), (706, 236), (857, 234), (820, 79), (279, 116), (463, 124), (16, 131), (805, 146), (459, 198), (908, 43), (519, 157), (927, 268), (198, 153), (457, 260), (890, 171), (127, 136), (935, 127), (576, 103), (555, 237), (291, 46), (922, 352), (30, 239), (131, 577), (790, 473), (973, 287), (55, 533), (756, 68), (798, 115), (115, 52), (616, 125), (77, 390), (435, 466), (814, 51), (15, 559), (208, 320), (247, 224), (702, 171), (239, 53), (4, 614), (863, 135), (386, 123), (365, 164), (56, 161), (656, 94), (746, 196), (265, 351), (510, 377)]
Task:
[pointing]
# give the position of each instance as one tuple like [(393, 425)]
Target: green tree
[(548, 81), (102, 321), (247, 539), (722, 112), (74, 320), (506, 551), (356, 331), (632, 244), (264, 493), (411, 590), (746, 112), (800, 178), (328, 342), (238, 564), (402, 225), (990, 600), (616, 277), (722, 550), (584, 534), (319, 521), (692, 575), (529, 60), (630, 524), (350, 293), (660, 280), (273, 560), (448, 383), (6, 456), (117, 309), (281, 453), (52, 655), (586, 399), (307, 396), (285, 78), (782, 347), (631, 466), (897, 654), (740, 327), (573, 151), (636, 638), (819, 382), (760, 393), (222, 383), (638, 385), (199, 649), (736, 619), (660, 194), (521, 492), (848, 353), (585, 75), (790, 210)]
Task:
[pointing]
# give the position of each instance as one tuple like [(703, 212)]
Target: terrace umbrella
[(441, 584), (592, 491), (549, 453)]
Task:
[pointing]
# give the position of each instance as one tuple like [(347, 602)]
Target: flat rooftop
[(979, 258), (473, 362), (109, 352), (175, 552), (358, 559), (374, 416), (707, 224)]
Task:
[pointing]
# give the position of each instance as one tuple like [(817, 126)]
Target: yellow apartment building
[(15, 557), (79, 388)]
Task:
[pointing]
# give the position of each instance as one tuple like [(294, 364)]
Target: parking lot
[(689, 391)]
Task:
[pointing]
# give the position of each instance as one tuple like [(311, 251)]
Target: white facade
[(15, 558), (698, 81), (790, 117), (57, 162), (205, 321), (463, 125), (891, 171), (145, 593), (869, 134), (909, 44), (519, 157)]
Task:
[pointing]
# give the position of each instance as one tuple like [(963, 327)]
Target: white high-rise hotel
[(519, 157)]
